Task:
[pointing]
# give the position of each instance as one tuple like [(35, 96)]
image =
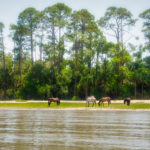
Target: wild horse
[(127, 100), (56, 100), (90, 99), (104, 99)]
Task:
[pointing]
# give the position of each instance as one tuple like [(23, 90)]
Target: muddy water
[(74, 130)]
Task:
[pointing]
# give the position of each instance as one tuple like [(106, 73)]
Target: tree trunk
[(142, 91), (86, 91), (53, 42), (82, 41), (41, 47), (76, 67), (4, 72), (90, 47), (135, 89), (32, 61), (14, 83), (75, 87), (20, 65), (121, 35), (104, 87), (60, 51), (4, 65)]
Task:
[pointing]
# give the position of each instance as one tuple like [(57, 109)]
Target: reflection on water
[(74, 129)]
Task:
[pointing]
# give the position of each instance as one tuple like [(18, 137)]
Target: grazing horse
[(104, 99), (56, 100), (127, 100), (90, 99)]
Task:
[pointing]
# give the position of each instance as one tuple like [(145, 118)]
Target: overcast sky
[(10, 9)]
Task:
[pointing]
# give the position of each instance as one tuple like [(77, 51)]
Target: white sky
[(10, 9)]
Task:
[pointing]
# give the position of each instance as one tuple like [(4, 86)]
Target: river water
[(74, 130)]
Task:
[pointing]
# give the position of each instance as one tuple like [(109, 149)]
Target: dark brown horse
[(127, 100), (104, 99), (56, 100)]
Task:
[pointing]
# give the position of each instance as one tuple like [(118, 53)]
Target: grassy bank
[(72, 105)]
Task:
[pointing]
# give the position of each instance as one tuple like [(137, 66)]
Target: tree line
[(75, 59)]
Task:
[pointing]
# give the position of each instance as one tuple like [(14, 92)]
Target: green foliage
[(75, 57), (146, 26), (35, 83), (76, 98), (116, 20)]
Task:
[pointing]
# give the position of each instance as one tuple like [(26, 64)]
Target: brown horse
[(104, 99), (127, 100), (56, 100)]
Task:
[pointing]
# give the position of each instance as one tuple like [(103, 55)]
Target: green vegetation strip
[(72, 105)]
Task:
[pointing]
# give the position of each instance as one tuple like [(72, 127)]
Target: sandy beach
[(76, 108)]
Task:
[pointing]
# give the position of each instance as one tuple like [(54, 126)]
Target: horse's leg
[(49, 103), (108, 103), (128, 102), (87, 103), (93, 103), (125, 101), (99, 103)]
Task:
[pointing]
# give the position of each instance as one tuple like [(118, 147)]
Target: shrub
[(76, 98)]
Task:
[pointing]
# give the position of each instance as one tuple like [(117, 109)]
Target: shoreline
[(72, 101), (117, 105), (80, 108)]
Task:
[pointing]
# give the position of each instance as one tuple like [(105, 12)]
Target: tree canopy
[(63, 53)]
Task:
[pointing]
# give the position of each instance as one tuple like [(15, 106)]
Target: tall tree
[(18, 35), (40, 34), (29, 18), (57, 17), (51, 29), (117, 20), (62, 17), (82, 33), (2, 50), (146, 26)]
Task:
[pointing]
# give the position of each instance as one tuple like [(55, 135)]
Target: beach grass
[(132, 106), (24, 104), (40, 105)]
